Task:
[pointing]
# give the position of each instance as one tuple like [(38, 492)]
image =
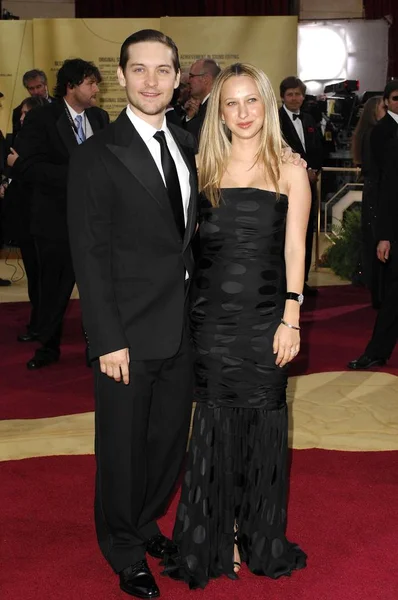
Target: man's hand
[(116, 365), (12, 157), (383, 250), (192, 107), (288, 156), (312, 175)]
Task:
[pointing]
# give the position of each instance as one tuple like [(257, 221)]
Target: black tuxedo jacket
[(46, 142), (384, 153), (16, 117), (313, 152), (129, 258), (194, 125)]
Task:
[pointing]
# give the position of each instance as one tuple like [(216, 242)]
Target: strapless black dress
[(236, 469)]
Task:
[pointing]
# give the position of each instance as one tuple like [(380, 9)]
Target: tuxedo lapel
[(95, 125), (66, 132), (191, 215), (132, 151), (290, 133)]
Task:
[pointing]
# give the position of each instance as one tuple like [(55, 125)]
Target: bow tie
[(297, 116)]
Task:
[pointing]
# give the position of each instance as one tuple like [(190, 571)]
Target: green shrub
[(343, 255)]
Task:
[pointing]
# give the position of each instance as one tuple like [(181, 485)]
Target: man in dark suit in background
[(303, 136), (132, 214), (47, 140), (384, 149), (35, 81), (202, 75)]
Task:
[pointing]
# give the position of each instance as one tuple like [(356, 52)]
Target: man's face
[(392, 102), (293, 99), (37, 87), (85, 94), (150, 79), (24, 111), (198, 80)]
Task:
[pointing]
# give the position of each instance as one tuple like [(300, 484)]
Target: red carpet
[(336, 327), (343, 511)]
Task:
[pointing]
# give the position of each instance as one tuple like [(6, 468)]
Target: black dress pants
[(141, 432), (385, 331), (56, 284), (31, 264)]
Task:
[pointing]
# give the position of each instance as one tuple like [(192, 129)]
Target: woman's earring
[(222, 121)]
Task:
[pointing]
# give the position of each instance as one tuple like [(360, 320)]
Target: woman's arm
[(287, 339)]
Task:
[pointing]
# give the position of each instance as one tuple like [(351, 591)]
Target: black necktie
[(172, 182), (296, 116)]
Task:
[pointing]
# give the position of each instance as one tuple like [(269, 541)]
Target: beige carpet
[(334, 411)]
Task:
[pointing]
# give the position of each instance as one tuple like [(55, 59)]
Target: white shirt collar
[(72, 111), (146, 130), (393, 115), (205, 98), (289, 112)]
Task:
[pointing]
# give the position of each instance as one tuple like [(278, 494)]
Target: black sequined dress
[(237, 463)]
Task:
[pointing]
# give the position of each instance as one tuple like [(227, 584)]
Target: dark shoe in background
[(27, 337), (137, 580), (366, 362), (43, 357), (4, 282)]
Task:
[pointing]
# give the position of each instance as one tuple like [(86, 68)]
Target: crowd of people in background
[(33, 188)]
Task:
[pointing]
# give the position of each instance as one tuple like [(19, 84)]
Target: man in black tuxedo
[(303, 136), (35, 81), (202, 75), (48, 138), (132, 214), (384, 150)]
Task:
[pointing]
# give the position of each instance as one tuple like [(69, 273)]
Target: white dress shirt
[(297, 124), (88, 132), (147, 131)]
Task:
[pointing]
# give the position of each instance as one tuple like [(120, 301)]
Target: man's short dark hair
[(290, 83), (392, 86), (148, 35), (32, 75), (72, 73), (34, 102), (211, 67)]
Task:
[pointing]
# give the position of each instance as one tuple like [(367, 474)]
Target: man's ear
[(178, 79), (121, 77)]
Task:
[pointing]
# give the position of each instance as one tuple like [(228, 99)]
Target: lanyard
[(73, 124)]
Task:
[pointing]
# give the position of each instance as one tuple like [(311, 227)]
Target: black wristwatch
[(293, 296)]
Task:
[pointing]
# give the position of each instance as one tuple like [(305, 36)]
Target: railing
[(319, 200)]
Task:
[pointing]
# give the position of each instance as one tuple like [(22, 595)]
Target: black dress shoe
[(157, 545), (137, 580), (4, 282), (38, 362), (366, 362), (27, 337), (309, 291)]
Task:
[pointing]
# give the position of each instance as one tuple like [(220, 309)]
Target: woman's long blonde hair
[(215, 138)]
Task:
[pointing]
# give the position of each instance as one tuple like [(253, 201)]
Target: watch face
[(300, 299)]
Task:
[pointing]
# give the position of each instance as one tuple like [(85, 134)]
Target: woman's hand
[(286, 344)]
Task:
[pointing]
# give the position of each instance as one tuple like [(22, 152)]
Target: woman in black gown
[(253, 221)]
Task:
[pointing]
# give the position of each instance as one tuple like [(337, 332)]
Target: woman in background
[(245, 313)]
